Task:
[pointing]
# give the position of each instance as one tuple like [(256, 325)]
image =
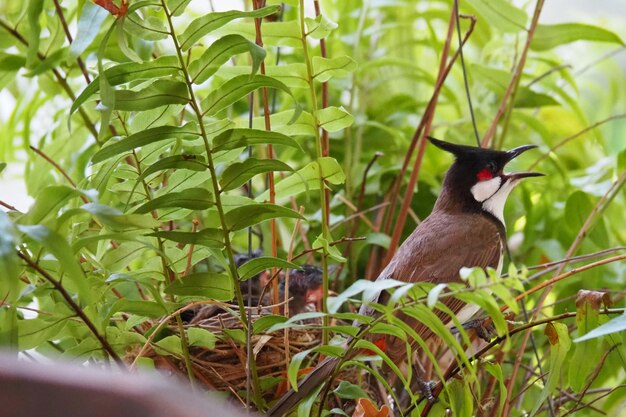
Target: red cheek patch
[(484, 174)]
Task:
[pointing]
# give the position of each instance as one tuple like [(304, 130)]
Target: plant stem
[(216, 190), (74, 306), (320, 153)]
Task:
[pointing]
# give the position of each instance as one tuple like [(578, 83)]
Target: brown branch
[(513, 84), (8, 206), (79, 311), (421, 132), (68, 35), (567, 274)]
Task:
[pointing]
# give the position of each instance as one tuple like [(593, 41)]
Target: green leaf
[(117, 220), (177, 7), (139, 307), (308, 178), (143, 138), (51, 61), (9, 62), (217, 286), (500, 14), (615, 325), (239, 173), (549, 36), (237, 88), (220, 52), (35, 8), (320, 27), (240, 138), (461, 399), (211, 238), (274, 33), (191, 198), (91, 19), (211, 21), (129, 71), (48, 203), (170, 345), (57, 246), (190, 162), (249, 215), (324, 69), (294, 368), (558, 336), (265, 322), (257, 265), (527, 98), (9, 265), (350, 391), (333, 119), (587, 353), (160, 93), (150, 28), (197, 336)]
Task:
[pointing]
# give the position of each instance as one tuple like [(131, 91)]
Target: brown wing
[(433, 253)]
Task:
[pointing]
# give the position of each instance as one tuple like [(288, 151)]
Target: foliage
[(159, 140)]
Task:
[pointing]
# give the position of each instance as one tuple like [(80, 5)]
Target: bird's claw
[(426, 388)]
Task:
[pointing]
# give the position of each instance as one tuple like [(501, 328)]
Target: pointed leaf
[(245, 216), (211, 21), (89, 23), (217, 286), (618, 324), (257, 265), (501, 14), (220, 52), (237, 88), (240, 138), (177, 7), (130, 71), (117, 220), (212, 238), (191, 198), (190, 162), (144, 137), (324, 69), (333, 119), (308, 178), (160, 93), (197, 336), (239, 173), (550, 36), (320, 27), (58, 246)]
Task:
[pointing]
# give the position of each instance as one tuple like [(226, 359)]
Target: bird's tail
[(317, 376)]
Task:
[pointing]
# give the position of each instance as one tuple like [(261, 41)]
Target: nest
[(223, 368)]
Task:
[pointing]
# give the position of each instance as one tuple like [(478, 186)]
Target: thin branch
[(465, 80), (574, 136), (7, 206), (419, 136), (79, 311), (567, 274), (510, 91), (68, 35)]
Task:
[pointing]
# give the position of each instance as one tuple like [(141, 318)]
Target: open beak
[(512, 154)]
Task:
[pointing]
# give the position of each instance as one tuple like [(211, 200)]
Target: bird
[(465, 229), (305, 289)]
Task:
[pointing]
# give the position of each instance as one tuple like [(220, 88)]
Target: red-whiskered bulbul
[(465, 229)]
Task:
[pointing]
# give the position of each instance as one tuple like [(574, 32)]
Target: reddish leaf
[(365, 408), (112, 8)]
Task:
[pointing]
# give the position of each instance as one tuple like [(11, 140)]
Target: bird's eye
[(484, 174)]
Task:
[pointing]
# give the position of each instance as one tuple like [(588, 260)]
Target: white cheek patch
[(495, 203), (485, 189)]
